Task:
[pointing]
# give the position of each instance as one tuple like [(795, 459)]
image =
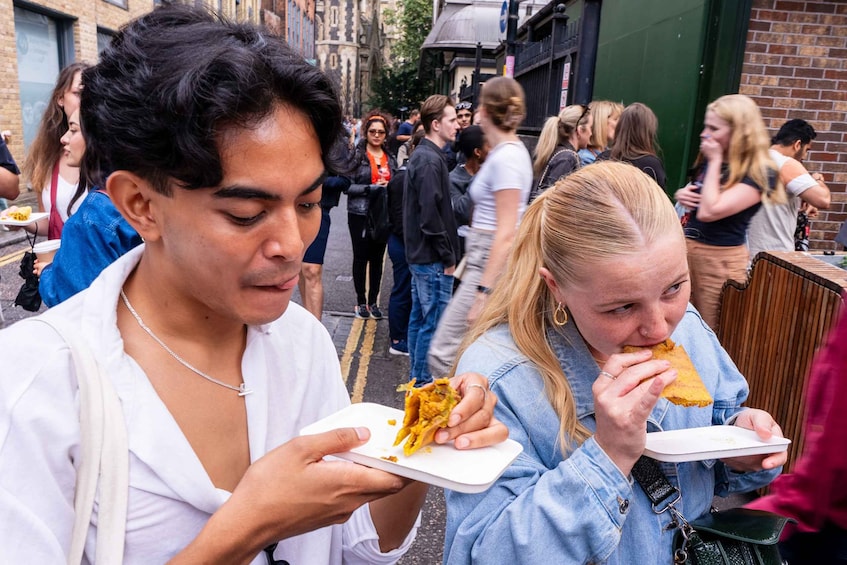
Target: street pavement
[(370, 372)]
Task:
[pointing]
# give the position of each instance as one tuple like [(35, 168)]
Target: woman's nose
[(654, 325)]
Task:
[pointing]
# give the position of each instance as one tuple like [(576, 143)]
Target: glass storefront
[(37, 38)]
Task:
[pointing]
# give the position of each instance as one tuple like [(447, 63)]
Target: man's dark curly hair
[(172, 81)]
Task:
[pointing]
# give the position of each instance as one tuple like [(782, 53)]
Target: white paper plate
[(469, 471), (711, 442), (33, 217)]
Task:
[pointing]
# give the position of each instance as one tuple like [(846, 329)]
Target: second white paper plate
[(710, 442)]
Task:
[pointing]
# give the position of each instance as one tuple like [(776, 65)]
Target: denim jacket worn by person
[(551, 508), (92, 239)]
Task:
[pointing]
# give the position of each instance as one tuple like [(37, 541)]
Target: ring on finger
[(608, 375), (480, 387)]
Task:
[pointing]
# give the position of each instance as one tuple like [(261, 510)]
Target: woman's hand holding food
[(472, 423), (766, 428), (625, 393)]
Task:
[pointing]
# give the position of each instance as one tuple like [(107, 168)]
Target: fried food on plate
[(688, 388), (17, 213), (427, 410)]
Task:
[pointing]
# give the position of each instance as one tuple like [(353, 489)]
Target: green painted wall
[(650, 51), (675, 56)]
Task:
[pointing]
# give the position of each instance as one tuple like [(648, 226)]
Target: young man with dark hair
[(464, 115), (202, 122), (405, 129), (429, 230), (773, 227), (472, 146)]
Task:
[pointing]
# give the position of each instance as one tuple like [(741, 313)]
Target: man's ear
[(797, 146), (133, 197)]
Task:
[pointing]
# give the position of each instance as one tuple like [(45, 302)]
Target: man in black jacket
[(429, 230)]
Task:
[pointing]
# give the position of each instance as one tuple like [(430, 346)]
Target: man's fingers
[(316, 446)]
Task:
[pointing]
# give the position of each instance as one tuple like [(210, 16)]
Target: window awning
[(461, 26)]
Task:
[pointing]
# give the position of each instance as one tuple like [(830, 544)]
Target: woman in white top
[(499, 192), (47, 166)]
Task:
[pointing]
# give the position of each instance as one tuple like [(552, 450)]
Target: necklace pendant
[(243, 390)]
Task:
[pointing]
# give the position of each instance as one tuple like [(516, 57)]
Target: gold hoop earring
[(560, 316)]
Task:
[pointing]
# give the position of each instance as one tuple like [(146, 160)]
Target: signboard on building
[(566, 77)]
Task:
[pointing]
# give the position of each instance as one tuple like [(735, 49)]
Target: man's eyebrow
[(252, 193)]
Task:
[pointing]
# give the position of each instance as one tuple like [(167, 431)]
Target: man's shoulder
[(791, 169)]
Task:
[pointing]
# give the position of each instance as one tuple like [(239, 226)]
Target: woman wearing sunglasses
[(556, 152), (367, 212)]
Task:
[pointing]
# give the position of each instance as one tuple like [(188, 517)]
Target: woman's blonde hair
[(566, 230), (747, 154), (556, 131), (603, 111), (503, 100), (46, 148)]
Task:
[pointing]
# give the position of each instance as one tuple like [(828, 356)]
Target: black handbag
[(28, 296), (730, 537)]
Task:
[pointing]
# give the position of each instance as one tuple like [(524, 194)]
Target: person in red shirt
[(815, 492)]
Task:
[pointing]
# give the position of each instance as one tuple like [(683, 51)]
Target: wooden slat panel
[(773, 324)]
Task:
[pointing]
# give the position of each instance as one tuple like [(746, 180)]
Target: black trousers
[(368, 257)]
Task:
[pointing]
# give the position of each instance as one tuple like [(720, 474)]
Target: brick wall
[(795, 66)]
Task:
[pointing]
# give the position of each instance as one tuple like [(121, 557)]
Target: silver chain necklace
[(241, 390)]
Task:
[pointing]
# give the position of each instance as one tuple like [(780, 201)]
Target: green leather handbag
[(737, 536), (731, 537)]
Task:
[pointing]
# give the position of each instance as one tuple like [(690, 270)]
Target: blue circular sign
[(504, 15)]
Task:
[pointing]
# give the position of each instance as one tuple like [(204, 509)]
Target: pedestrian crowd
[(519, 275)]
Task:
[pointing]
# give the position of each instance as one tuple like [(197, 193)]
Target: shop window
[(44, 45)]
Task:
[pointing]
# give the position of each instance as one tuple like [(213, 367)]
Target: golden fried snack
[(17, 213), (688, 389), (427, 410)]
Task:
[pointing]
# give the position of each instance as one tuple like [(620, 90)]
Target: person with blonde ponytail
[(734, 175), (499, 192), (550, 341), (556, 151)]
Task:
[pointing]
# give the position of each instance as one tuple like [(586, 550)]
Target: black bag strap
[(654, 483)]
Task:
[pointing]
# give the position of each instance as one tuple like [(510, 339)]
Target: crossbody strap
[(653, 482), (104, 452)]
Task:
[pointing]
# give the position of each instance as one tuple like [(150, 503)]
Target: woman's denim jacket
[(548, 508)]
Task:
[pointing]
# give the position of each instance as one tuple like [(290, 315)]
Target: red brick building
[(795, 66)]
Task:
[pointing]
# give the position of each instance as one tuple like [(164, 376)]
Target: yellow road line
[(12, 257), (350, 347), (364, 361)]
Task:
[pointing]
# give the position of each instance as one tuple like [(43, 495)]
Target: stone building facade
[(795, 66), (353, 42)]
